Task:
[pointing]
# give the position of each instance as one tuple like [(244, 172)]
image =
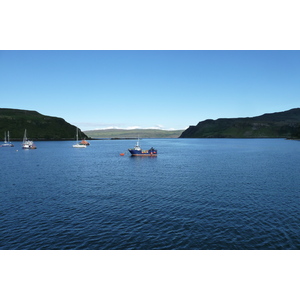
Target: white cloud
[(133, 127), (156, 127), (117, 127)]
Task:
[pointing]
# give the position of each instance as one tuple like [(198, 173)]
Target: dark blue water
[(197, 194)]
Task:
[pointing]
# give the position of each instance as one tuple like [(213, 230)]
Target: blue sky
[(149, 89)]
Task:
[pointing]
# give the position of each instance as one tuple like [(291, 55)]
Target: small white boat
[(77, 145), (27, 144), (7, 143)]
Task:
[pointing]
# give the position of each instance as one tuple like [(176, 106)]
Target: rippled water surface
[(197, 194)]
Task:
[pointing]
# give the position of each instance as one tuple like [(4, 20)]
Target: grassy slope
[(134, 133), (277, 125), (38, 126)]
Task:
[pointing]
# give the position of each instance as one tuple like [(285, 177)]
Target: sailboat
[(7, 143), (77, 145), (27, 144)]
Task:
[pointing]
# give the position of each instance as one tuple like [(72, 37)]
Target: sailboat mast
[(24, 139)]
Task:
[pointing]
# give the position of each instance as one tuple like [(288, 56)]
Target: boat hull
[(26, 147), (7, 145), (79, 146)]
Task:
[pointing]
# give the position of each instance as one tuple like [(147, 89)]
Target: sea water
[(196, 194)]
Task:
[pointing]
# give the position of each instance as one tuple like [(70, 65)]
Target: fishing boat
[(7, 143), (137, 151), (77, 145), (27, 144)]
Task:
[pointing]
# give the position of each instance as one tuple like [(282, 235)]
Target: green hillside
[(134, 133), (39, 127), (273, 125)]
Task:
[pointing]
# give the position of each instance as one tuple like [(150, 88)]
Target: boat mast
[(24, 138)]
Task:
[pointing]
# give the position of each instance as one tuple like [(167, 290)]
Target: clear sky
[(149, 89)]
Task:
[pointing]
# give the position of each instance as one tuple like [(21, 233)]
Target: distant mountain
[(272, 125), (134, 133), (39, 127)]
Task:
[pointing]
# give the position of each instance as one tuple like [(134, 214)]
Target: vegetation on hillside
[(39, 127), (134, 133), (275, 125)]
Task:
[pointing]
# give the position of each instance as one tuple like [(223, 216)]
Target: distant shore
[(45, 140)]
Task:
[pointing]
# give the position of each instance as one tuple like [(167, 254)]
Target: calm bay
[(205, 194)]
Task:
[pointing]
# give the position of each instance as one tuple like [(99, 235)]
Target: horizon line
[(135, 128)]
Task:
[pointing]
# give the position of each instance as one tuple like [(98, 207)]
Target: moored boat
[(84, 142), (27, 144), (77, 145), (138, 151), (6, 143)]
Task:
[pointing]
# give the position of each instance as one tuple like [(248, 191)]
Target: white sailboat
[(77, 145), (27, 144), (7, 143)]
